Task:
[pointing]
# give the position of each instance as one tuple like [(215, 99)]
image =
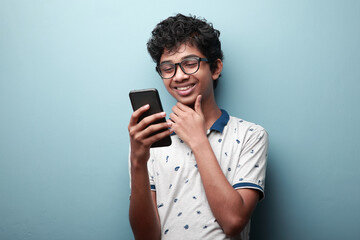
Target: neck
[(210, 110)]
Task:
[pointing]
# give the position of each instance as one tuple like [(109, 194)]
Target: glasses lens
[(167, 70), (190, 65)]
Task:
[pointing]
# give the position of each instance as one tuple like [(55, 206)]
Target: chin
[(187, 101)]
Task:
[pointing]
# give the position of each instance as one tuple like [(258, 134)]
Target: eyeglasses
[(188, 66)]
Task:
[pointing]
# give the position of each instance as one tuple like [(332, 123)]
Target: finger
[(198, 105), (153, 130), (135, 127), (173, 117), (182, 107), (176, 109), (151, 119), (152, 139), (137, 113)]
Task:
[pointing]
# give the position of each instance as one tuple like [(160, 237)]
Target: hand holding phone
[(150, 96)]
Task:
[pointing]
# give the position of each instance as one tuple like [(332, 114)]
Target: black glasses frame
[(158, 70)]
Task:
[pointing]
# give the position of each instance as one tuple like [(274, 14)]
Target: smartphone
[(149, 96)]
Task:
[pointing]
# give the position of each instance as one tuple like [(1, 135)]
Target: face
[(183, 87)]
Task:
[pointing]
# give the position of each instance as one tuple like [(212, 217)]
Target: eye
[(167, 68), (189, 63)]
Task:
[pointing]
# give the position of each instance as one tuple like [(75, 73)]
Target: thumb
[(198, 104)]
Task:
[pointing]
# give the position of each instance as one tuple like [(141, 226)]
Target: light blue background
[(66, 68)]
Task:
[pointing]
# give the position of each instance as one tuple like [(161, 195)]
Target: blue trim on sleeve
[(221, 122), (152, 187), (247, 185)]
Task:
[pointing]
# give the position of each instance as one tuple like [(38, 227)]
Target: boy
[(208, 182)]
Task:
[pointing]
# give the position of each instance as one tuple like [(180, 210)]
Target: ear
[(218, 69)]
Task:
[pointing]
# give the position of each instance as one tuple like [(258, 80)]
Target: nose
[(179, 74)]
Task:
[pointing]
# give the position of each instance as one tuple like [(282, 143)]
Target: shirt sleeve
[(251, 169), (150, 165)]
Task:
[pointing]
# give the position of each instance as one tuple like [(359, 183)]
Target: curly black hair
[(170, 33)]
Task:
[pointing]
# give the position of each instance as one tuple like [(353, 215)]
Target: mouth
[(185, 90)]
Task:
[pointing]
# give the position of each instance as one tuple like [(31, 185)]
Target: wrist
[(137, 164), (200, 144)]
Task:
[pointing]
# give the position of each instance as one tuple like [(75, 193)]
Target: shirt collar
[(221, 122)]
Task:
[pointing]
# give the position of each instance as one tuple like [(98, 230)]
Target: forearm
[(225, 202), (143, 216)]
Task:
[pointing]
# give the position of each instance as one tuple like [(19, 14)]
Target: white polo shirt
[(241, 150)]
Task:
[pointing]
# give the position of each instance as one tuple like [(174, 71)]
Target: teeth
[(184, 88)]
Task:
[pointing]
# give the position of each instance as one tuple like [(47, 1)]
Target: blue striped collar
[(221, 122)]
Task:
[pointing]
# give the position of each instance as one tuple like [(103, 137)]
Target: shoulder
[(246, 133), (246, 127)]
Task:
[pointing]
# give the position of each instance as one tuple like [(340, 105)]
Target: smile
[(184, 88)]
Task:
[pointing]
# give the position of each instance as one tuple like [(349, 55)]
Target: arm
[(232, 208), (143, 214)]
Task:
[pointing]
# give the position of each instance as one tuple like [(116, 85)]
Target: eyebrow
[(185, 57)]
